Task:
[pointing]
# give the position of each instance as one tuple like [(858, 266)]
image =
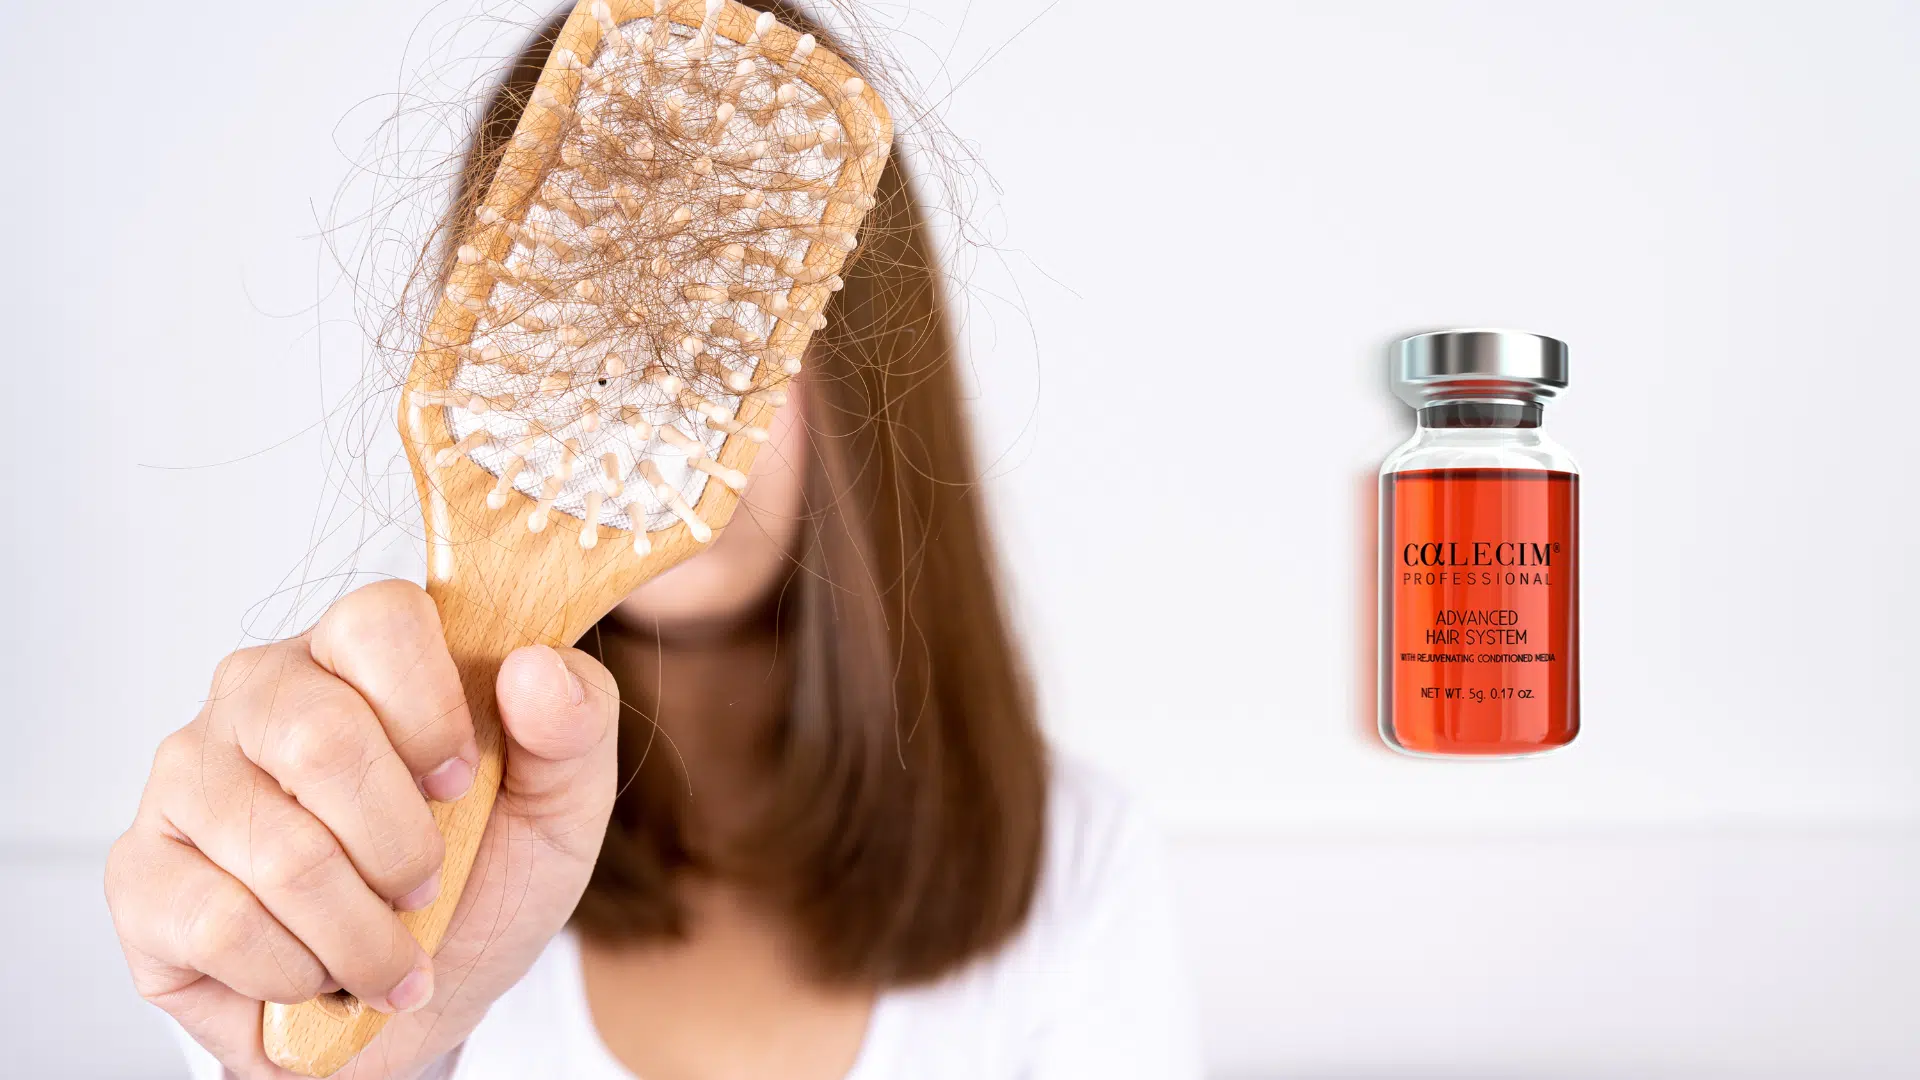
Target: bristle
[(497, 498), (465, 446), (528, 442), (651, 270), (610, 474), (802, 49), (727, 328), (774, 304), (734, 427), (595, 179), (761, 24), (751, 154), (737, 381), (549, 492), (702, 43), (590, 520), (553, 198), (673, 437), (544, 97), (809, 275), (630, 416), (473, 297), (742, 75), (637, 519), (733, 478), (666, 380), (651, 473), (609, 32)]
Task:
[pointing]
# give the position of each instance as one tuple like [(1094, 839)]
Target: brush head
[(643, 273)]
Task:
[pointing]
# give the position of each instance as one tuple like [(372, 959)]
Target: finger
[(560, 711), (187, 918), (385, 641), (248, 826), (316, 736), (227, 1024)]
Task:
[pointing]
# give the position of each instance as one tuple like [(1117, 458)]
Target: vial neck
[(1480, 413)]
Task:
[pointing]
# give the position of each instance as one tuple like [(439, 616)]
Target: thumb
[(560, 710)]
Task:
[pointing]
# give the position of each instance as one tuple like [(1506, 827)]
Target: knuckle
[(323, 734), (152, 992), (161, 993), (301, 858), (379, 615), (302, 985), (114, 880), (235, 668), (228, 932), (402, 850), (177, 753), (414, 860), (217, 927)]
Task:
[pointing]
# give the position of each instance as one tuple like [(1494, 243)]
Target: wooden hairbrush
[(631, 291)]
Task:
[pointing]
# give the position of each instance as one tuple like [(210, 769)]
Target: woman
[(787, 813)]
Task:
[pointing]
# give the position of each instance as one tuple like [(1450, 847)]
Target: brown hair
[(904, 835)]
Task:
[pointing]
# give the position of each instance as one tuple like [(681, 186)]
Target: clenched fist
[(282, 829)]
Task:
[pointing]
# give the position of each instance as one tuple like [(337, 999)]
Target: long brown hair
[(904, 835)]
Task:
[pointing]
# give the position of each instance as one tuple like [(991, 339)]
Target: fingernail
[(448, 781), (575, 692), (411, 992), (421, 896)]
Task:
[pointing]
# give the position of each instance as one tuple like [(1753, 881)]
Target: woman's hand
[(282, 829)]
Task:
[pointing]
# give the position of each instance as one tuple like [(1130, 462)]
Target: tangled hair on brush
[(904, 828), (654, 245)]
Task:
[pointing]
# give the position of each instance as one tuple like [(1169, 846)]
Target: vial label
[(1481, 576)]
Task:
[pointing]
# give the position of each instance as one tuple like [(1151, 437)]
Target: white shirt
[(1092, 987)]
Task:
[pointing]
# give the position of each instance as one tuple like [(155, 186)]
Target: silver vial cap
[(1495, 364)]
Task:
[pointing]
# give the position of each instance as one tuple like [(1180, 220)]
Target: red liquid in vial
[(1480, 620)]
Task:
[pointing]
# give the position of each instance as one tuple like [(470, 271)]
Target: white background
[(1206, 223)]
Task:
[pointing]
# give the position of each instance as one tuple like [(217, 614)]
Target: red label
[(1481, 620)]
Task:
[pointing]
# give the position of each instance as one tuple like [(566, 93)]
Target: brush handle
[(317, 1037)]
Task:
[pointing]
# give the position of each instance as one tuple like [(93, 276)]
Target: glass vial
[(1479, 553)]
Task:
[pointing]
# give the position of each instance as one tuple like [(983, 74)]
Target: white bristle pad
[(631, 314)]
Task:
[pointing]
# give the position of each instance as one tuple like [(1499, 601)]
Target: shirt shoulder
[(1097, 833), (1095, 962)]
